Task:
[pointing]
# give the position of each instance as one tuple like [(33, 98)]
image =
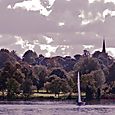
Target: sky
[(57, 27)]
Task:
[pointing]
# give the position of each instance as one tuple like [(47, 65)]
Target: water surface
[(54, 108)]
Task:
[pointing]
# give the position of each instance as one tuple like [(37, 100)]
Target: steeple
[(104, 47)]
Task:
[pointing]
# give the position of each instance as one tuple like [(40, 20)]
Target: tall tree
[(27, 87), (30, 57), (13, 88), (86, 65)]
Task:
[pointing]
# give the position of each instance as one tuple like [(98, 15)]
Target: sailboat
[(79, 102)]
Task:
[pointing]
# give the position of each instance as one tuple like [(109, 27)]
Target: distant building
[(104, 47)]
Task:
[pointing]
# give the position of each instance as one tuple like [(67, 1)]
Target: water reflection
[(54, 108)]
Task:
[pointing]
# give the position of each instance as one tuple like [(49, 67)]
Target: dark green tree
[(86, 65), (27, 87), (40, 73), (58, 85), (13, 88), (90, 83), (30, 57)]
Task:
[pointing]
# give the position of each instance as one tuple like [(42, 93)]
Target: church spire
[(104, 47)]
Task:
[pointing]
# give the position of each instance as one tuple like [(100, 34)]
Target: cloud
[(61, 24), (92, 1), (24, 43), (48, 39), (44, 6), (88, 46), (32, 44), (111, 51), (108, 12), (1, 36), (50, 49), (65, 26), (107, 1)]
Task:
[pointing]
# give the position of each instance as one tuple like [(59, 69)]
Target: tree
[(86, 65), (40, 73), (103, 58), (51, 77), (30, 57), (13, 88), (47, 86), (111, 76), (65, 87), (59, 72), (58, 85), (96, 54), (18, 76), (27, 87), (6, 74), (10, 79), (3, 82), (86, 53), (77, 56), (5, 57), (13, 54), (99, 77), (91, 82), (72, 81)]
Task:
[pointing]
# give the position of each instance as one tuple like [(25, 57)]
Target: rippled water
[(54, 108)]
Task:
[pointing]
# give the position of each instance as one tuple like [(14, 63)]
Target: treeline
[(20, 76)]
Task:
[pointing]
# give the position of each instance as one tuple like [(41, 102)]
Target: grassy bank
[(41, 95)]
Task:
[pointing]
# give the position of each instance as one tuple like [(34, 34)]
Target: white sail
[(78, 85)]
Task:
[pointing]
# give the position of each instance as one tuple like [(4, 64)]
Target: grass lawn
[(44, 94)]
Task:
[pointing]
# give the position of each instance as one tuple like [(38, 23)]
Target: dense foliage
[(56, 74)]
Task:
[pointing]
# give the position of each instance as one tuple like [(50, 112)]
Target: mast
[(78, 85)]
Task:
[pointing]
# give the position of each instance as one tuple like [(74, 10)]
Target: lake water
[(54, 108)]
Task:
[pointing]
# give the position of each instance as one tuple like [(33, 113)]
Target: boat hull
[(81, 103)]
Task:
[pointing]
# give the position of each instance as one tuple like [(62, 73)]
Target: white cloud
[(24, 43), (63, 49), (68, 0), (28, 5), (1, 36), (106, 1), (89, 21), (61, 24), (51, 2), (48, 39), (84, 18), (91, 1), (82, 14), (111, 51), (50, 49), (34, 5), (20, 41), (85, 22), (108, 12), (9, 7), (80, 33), (89, 17), (88, 46), (36, 42)]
